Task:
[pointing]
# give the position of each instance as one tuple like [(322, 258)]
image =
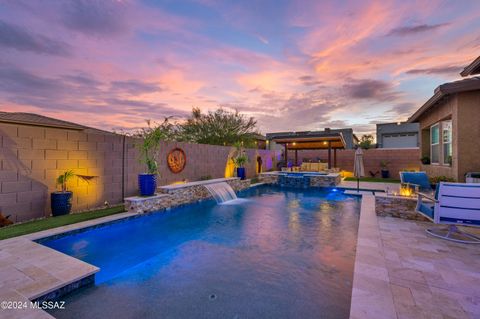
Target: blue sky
[(293, 65)]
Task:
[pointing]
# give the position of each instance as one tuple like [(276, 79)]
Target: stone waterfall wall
[(176, 195)]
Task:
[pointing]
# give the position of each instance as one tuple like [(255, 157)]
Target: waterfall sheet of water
[(222, 192)]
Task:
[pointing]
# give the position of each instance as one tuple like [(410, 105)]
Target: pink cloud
[(307, 64)]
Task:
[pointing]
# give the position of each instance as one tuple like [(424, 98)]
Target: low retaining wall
[(268, 178), (329, 180), (179, 194), (399, 207)]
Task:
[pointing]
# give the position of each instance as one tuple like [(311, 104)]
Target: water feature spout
[(222, 192)]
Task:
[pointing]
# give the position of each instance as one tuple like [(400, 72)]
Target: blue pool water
[(281, 253)]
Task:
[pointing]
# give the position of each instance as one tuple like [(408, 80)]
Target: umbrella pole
[(358, 185)]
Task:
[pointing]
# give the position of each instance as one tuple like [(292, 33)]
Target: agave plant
[(70, 174)]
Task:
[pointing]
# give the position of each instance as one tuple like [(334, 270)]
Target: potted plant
[(425, 160), (149, 148), (239, 161), (384, 169), (61, 201)]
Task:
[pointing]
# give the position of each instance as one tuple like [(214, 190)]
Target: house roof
[(472, 69), (260, 137), (309, 139), (349, 139), (37, 120), (444, 90)]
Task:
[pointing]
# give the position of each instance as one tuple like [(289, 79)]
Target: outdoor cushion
[(305, 167)]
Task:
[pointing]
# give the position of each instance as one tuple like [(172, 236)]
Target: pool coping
[(196, 183), (372, 297)]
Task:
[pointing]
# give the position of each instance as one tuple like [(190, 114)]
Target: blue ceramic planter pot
[(385, 173), (241, 172), (147, 184), (61, 203)]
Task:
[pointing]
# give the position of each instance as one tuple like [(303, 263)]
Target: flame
[(406, 191)]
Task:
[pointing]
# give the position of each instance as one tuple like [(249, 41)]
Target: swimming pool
[(280, 253)]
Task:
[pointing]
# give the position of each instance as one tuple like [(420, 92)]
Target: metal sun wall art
[(176, 160)]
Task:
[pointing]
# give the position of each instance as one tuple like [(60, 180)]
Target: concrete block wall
[(32, 157)]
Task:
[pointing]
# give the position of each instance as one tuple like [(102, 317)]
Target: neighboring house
[(450, 127), (397, 135), (347, 133), (260, 142)]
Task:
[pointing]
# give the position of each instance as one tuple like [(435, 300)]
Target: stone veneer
[(327, 180), (397, 206), (179, 194), (330, 180), (268, 178)]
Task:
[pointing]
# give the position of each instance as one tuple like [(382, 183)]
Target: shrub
[(425, 160), (442, 178)]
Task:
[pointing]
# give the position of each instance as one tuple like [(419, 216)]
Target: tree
[(366, 141), (220, 127)]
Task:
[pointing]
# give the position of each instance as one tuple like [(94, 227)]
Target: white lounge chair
[(454, 204)]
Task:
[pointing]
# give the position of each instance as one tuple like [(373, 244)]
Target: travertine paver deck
[(29, 270), (430, 277), (371, 294), (401, 272)]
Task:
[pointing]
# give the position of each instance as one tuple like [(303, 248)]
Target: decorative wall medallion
[(176, 160)]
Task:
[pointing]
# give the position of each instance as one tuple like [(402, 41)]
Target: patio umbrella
[(358, 169)]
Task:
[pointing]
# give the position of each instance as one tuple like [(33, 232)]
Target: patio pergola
[(296, 141)]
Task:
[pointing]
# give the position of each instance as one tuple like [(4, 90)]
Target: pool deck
[(400, 272), (29, 270)]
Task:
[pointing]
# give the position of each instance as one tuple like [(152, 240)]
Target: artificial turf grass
[(373, 180), (52, 222)]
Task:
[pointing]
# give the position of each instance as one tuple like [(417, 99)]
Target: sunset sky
[(293, 65)]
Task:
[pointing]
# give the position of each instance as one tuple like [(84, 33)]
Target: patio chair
[(454, 204), (417, 179)]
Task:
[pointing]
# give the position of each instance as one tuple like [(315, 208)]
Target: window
[(435, 143), (447, 142)]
